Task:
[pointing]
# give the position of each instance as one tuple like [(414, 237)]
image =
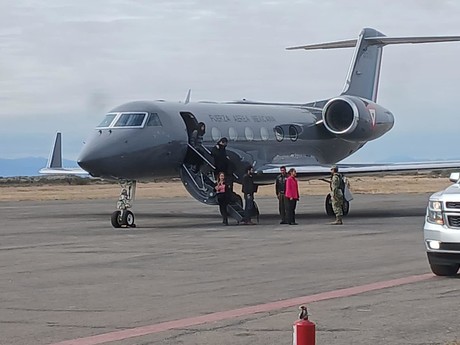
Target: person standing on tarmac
[(292, 195), (223, 196), (280, 188), (336, 195), (248, 188)]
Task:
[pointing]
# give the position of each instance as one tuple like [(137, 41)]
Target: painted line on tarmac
[(230, 314)]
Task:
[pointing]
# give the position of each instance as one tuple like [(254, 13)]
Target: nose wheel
[(123, 218)]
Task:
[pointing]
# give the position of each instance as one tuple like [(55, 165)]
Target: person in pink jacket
[(292, 195)]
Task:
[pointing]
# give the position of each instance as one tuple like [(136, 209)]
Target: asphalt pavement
[(181, 277)]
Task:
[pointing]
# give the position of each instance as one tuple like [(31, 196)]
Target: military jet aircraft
[(146, 140)]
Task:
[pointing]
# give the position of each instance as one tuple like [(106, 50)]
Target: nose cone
[(91, 161), (114, 155), (97, 155)]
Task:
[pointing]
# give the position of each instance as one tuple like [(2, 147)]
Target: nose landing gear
[(123, 217)]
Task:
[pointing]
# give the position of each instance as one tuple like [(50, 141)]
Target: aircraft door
[(191, 123), (197, 168)]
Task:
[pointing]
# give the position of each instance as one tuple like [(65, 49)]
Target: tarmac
[(181, 277)]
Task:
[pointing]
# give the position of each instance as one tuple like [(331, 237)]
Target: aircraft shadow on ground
[(271, 217), (382, 213)]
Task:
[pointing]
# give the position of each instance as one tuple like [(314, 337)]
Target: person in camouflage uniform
[(336, 195)]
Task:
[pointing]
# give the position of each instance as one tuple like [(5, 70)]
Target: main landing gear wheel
[(330, 211), (328, 206), (345, 207)]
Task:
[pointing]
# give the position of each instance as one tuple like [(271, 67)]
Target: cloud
[(64, 63)]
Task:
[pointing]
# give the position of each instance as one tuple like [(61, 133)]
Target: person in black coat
[(219, 153), (280, 188), (248, 188)]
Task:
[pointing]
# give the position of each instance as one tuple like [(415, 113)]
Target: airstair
[(197, 175)]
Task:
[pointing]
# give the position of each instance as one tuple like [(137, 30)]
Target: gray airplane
[(146, 140)]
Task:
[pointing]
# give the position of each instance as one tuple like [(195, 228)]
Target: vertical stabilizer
[(364, 72), (55, 158), (187, 99)]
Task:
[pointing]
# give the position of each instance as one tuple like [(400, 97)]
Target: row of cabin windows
[(133, 119), (292, 134)]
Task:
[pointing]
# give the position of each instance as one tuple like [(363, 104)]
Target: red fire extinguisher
[(304, 329)]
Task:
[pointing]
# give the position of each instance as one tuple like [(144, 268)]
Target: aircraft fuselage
[(258, 134)]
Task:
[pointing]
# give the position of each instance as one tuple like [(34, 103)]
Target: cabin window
[(279, 133), (249, 134), (130, 120), (215, 133), (264, 133), (107, 120), (293, 134), (154, 120), (233, 134)]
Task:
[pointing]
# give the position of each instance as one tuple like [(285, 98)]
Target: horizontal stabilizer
[(414, 40), (328, 45), (381, 41), (54, 165)]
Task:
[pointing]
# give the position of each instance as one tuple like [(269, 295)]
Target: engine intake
[(356, 119)]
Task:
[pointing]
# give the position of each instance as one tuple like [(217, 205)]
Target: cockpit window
[(107, 120), (130, 120), (153, 120)]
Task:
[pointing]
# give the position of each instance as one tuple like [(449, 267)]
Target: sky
[(64, 63)]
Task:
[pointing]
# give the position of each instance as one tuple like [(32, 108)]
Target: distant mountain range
[(27, 166)]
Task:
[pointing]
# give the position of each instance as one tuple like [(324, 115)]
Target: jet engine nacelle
[(355, 119)]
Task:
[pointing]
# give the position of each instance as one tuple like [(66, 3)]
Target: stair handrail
[(202, 157)]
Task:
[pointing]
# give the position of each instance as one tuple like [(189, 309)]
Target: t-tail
[(364, 72)]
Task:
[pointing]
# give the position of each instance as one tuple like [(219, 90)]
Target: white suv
[(442, 229)]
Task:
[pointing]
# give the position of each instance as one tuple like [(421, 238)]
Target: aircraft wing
[(63, 171), (54, 165), (311, 172)]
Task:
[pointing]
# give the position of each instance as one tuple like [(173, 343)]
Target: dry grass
[(359, 185)]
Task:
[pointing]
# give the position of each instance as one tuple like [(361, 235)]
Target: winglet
[(187, 99)]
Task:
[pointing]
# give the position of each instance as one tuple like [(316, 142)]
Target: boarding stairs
[(197, 175)]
